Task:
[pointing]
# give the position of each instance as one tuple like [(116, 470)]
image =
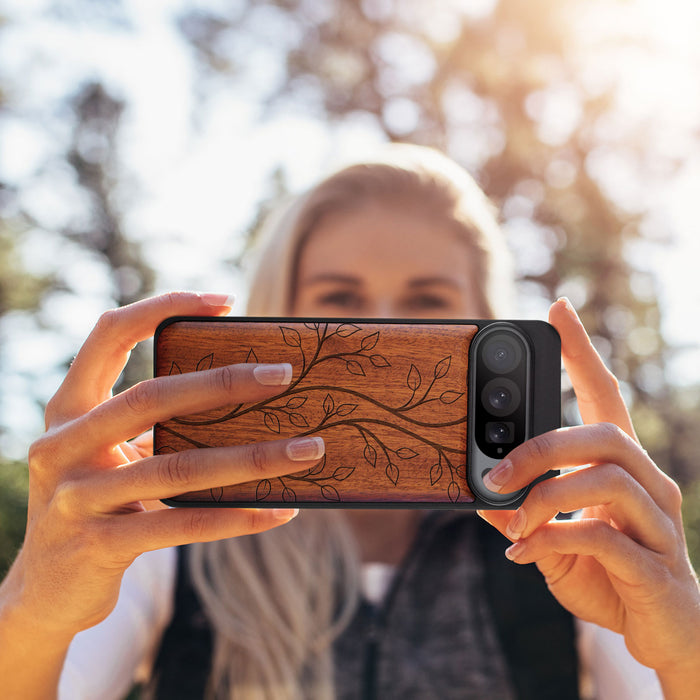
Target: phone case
[(389, 398)]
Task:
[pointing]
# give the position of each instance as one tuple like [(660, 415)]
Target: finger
[(596, 388), (165, 476), (497, 518), (614, 550), (131, 452), (143, 444), (142, 532), (579, 445), (606, 486), (138, 448), (155, 400), (105, 352)]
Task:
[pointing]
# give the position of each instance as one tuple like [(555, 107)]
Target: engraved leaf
[(453, 491), (369, 341), (272, 422), (217, 493), (296, 402), (328, 404), (291, 336), (406, 453), (450, 396), (379, 361), (164, 449), (435, 473), (461, 471), (297, 420), (318, 468), (345, 409), (262, 490), (288, 496), (442, 367), (392, 471), (251, 357), (330, 493), (312, 326), (345, 330), (354, 367), (342, 473), (175, 369), (205, 362), (413, 380), (370, 455)]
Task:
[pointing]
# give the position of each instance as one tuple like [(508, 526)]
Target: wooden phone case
[(389, 399)]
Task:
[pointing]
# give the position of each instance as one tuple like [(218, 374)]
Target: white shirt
[(104, 661)]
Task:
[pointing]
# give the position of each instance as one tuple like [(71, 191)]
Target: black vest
[(534, 634)]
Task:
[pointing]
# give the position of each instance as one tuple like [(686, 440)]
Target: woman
[(412, 236)]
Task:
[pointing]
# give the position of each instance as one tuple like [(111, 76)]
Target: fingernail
[(285, 514), (515, 550), (218, 299), (517, 525), (569, 306), (273, 375), (499, 476), (302, 449)]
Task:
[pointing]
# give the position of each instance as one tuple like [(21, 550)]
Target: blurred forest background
[(580, 119)]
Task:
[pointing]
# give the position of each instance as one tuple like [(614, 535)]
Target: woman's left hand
[(623, 564)]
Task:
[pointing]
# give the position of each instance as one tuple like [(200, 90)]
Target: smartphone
[(413, 413)]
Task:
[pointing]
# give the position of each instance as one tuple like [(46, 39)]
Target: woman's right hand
[(87, 516)]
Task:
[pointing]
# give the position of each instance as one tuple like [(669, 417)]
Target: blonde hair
[(277, 600)]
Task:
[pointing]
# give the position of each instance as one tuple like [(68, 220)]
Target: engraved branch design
[(341, 408)]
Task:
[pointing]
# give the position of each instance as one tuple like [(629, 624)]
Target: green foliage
[(18, 289), (14, 484)]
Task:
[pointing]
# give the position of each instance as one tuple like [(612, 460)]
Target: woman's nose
[(383, 308)]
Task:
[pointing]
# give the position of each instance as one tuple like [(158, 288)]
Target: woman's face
[(385, 261)]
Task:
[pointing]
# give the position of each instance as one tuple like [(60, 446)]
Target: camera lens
[(502, 353), (500, 396), (499, 432)]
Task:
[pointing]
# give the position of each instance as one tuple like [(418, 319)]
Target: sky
[(192, 189)]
